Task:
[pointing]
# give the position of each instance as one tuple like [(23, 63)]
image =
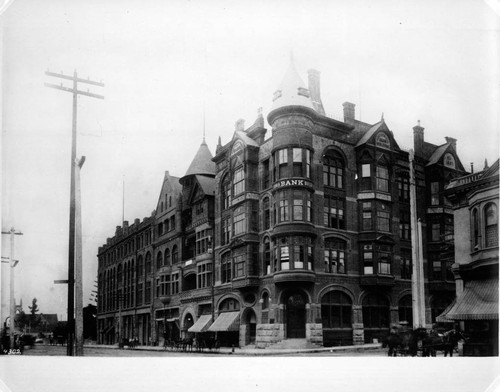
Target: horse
[(404, 342), (446, 342)]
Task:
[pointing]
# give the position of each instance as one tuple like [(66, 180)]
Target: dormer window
[(449, 161), (382, 141)]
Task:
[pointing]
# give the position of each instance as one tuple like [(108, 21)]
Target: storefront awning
[(478, 301), (227, 321), (202, 324)]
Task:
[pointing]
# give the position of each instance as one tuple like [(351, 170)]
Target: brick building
[(475, 203), (303, 232)]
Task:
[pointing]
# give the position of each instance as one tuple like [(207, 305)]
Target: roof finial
[(203, 121), (486, 164), (382, 118), (418, 122)]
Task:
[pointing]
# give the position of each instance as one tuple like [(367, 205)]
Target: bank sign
[(287, 183)]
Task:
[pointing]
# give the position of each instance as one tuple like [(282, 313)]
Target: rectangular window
[(265, 174), (239, 266), (404, 225), (297, 162), (147, 293), (436, 232), (139, 294), (238, 181), (175, 283), (368, 259), (283, 163), (384, 259), (239, 221), (365, 170), (298, 205), (308, 164), (226, 231), (434, 193), (405, 265), (436, 270), (225, 269), (382, 179), (404, 188), (285, 258), (367, 216), (333, 212), (283, 209), (204, 275), (298, 256), (310, 257), (383, 217)]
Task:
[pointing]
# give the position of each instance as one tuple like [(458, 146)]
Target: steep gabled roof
[(168, 181), (437, 154), (380, 126), (203, 185), (244, 137), (367, 136)]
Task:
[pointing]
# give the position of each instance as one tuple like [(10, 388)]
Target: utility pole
[(417, 277), (74, 163), (13, 264)]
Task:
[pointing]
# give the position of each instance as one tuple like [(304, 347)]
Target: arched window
[(267, 214), (335, 250), (491, 225), (140, 267), (449, 160), (225, 268), (167, 257), (119, 273), (267, 256), (405, 310), (333, 169), (225, 193), (336, 310), (229, 305), (159, 260), (376, 317), (175, 255), (382, 140), (265, 301), (148, 263)]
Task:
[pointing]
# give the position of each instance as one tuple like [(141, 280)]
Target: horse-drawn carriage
[(421, 342)]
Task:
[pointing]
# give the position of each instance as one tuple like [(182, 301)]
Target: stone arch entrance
[(295, 315), (188, 323), (250, 327)]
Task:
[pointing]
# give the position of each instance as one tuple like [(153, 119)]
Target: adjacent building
[(475, 200), (302, 232)]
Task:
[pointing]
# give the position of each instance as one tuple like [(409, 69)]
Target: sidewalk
[(257, 351)]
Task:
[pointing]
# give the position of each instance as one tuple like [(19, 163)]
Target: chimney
[(239, 125), (315, 90), (349, 112), (125, 224), (472, 167), (418, 139), (452, 141)]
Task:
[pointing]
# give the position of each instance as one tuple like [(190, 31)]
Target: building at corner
[(297, 232), (475, 203)]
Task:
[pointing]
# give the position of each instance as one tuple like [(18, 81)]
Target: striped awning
[(227, 321), (202, 324), (478, 301)]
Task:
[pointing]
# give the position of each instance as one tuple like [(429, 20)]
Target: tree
[(34, 318), (34, 307)]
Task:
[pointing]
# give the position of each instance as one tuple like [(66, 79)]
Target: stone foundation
[(268, 334), (314, 333)]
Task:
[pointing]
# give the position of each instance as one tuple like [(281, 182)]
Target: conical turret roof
[(202, 162), (292, 90)]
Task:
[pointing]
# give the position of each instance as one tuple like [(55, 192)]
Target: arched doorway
[(251, 327), (295, 315), (188, 323)]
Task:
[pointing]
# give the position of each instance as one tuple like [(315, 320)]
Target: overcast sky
[(164, 62)]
